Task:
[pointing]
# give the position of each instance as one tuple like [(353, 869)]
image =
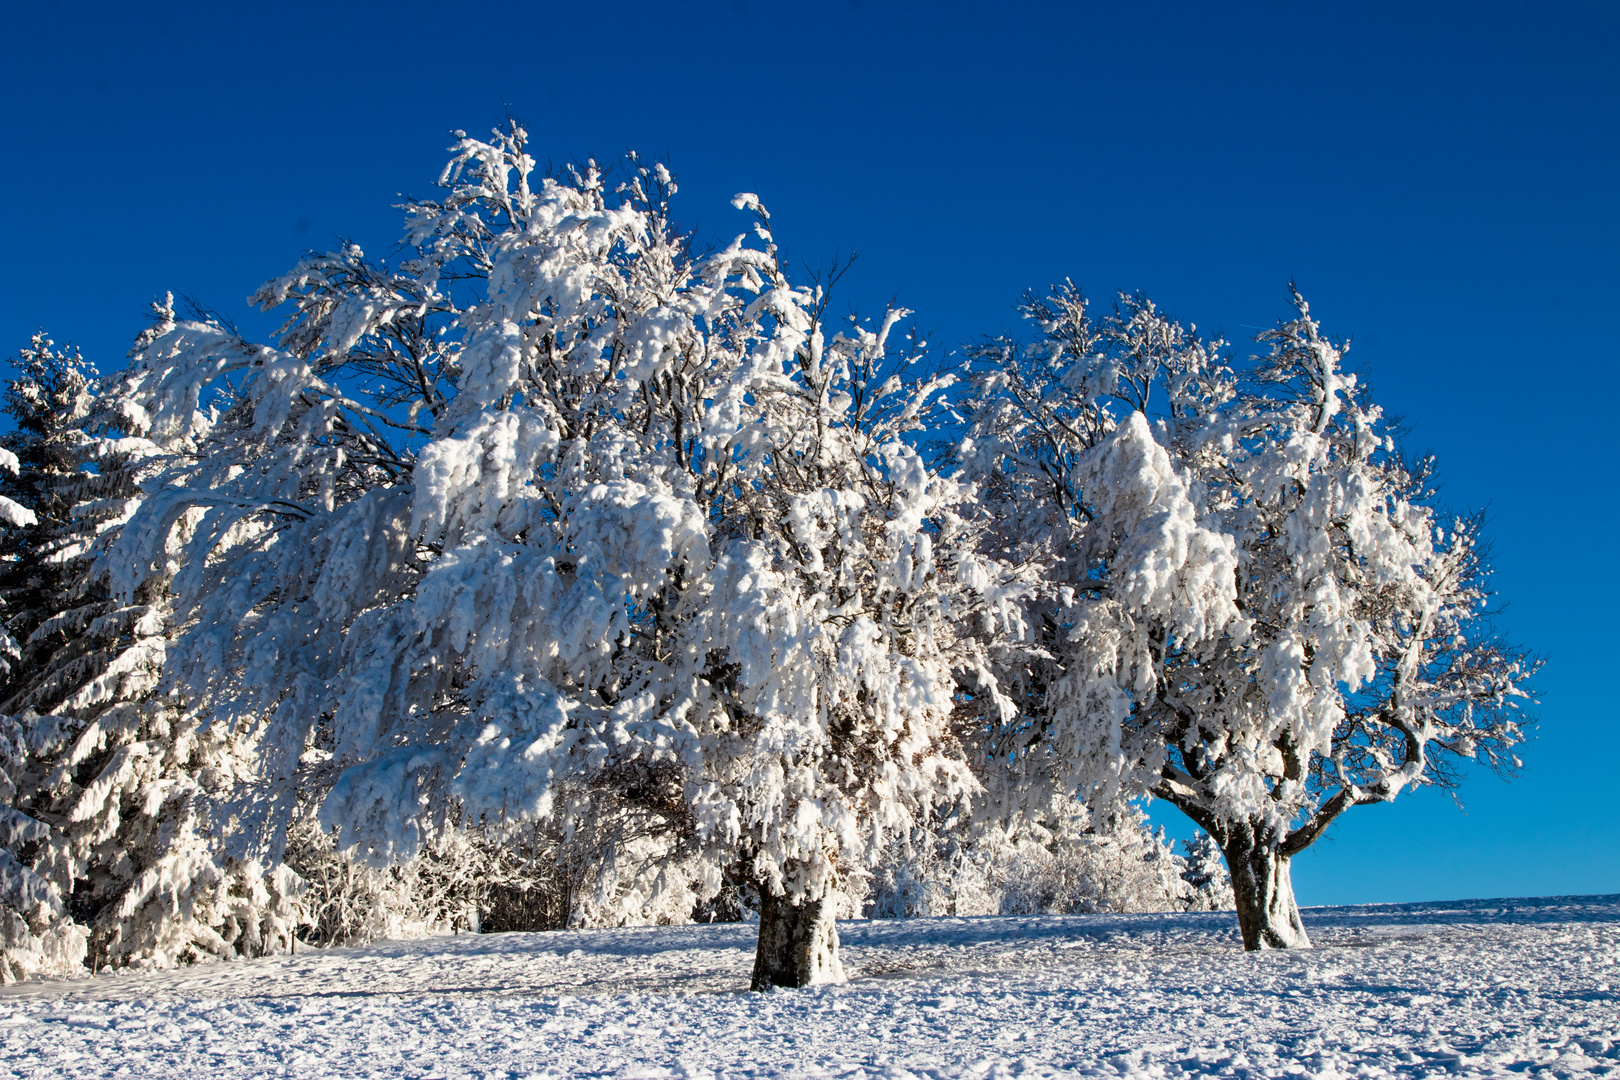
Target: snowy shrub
[(1070, 866), (349, 902), (619, 851), (936, 872), (1076, 866), (596, 863), (1206, 875)]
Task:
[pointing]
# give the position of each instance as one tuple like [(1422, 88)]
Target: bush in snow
[(1206, 876), (597, 861), (1077, 865), (1069, 865), (348, 902), (936, 871)]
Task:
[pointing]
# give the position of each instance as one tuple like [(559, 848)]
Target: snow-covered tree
[(40, 473), (1252, 608), (634, 523), (41, 565), (1206, 875), (120, 784)]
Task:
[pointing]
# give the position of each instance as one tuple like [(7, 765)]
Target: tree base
[(1268, 917), (798, 943)]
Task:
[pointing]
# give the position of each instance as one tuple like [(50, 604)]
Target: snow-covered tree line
[(557, 564)]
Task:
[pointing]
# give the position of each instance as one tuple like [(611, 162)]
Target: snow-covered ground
[(1506, 987)]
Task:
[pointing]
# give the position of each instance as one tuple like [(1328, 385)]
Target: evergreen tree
[(121, 788), (40, 463)]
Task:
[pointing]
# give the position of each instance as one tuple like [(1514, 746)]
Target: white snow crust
[(1472, 988)]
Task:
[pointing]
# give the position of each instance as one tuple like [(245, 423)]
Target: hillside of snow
[(1527, 987)]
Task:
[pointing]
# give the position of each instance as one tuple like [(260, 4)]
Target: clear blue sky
[(1439, 178)]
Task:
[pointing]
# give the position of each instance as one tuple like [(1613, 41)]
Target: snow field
[(1527, 988)]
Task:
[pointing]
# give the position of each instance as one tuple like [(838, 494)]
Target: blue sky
[(1440, 179)]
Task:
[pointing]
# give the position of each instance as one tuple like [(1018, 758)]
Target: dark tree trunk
[(798, 943), (1268, 918)]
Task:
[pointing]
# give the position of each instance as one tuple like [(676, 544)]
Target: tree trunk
[(1268, 918), (798, 943)]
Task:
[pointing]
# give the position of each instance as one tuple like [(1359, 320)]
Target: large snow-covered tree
[(624, 520), (1252, 609)]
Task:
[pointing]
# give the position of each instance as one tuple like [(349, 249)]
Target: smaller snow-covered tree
[(39, 464), (41, 477), (1253, 609)]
